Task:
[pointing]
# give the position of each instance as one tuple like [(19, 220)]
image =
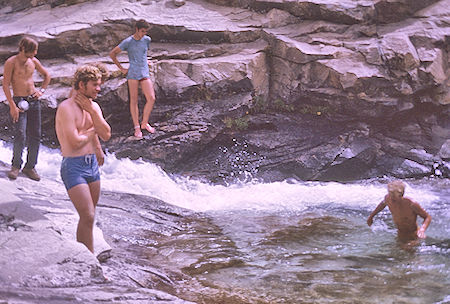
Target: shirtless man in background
[(404, 213), (24, 106), (79, 120)]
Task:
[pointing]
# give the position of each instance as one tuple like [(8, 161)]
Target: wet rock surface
[(337, 91), (40, 263)]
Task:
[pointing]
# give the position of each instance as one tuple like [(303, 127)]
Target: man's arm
[(380, 207), (99, 151), (113, 54), (101, 127), (423, 214), (44, 74), (7, 76), (65, 126)]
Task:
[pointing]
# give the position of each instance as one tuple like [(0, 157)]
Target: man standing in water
[(404, 213), (25, 107), (137, 47), (79, 120)]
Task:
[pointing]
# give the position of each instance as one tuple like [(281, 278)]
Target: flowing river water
[(292, 241)]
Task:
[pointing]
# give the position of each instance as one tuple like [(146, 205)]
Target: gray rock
[(444, 152), (410, 168), (353, 63), (179, 2)]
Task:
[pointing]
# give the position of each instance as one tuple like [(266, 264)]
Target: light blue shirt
[(137, 55)]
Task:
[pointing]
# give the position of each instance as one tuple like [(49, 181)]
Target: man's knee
[(19, 135), (87, 218), (150, 98), (34, 134)]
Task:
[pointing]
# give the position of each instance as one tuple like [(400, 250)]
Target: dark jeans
[(27, 131)]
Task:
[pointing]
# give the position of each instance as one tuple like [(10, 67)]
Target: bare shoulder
[(409, 201), (414, 206), (96, 105), (35, 60), (65, 106), (11, 59)]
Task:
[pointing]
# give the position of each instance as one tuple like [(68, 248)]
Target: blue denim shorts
[(79, 170)]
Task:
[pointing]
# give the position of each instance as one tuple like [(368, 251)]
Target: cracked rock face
[(337, 90)]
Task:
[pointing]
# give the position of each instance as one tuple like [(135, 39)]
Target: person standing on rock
[(105, 75), (78, 122), (137, 74), (24, 106)]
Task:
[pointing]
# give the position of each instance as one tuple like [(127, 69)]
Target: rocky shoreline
[(41, 262), (302, 90)]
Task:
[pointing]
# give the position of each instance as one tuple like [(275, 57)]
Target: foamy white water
[(139, 177)]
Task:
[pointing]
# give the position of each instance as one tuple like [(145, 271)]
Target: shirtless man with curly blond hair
[(79, 123)]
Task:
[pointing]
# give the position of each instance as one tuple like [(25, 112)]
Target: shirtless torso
[(75, 129), (18, 74), (22, 76), (404, 214)]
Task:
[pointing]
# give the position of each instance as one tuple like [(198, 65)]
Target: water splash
[(139, 177), (241, 163)]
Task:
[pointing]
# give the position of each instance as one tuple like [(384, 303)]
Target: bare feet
[(137, 132), (149, 128)]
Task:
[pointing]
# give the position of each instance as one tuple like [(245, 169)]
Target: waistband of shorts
[(79, 157), (28, 98)]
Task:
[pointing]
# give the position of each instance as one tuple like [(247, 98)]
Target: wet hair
[(27, 45), (397, 186), (85, 74), (141, 23), (103, 70)]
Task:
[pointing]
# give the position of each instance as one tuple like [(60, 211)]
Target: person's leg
[(94, 188), (81, 197), (133, 86), (19, 131), (149, 93), (33, 131)]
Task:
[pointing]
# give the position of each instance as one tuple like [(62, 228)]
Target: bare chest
[(402, 213), (23, 71)]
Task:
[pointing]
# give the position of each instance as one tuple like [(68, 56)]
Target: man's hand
[(84, 102), (90, 133), (370, 221), (14, 112), (421, 233), (100, 157), (124, 71), (37, 94)]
